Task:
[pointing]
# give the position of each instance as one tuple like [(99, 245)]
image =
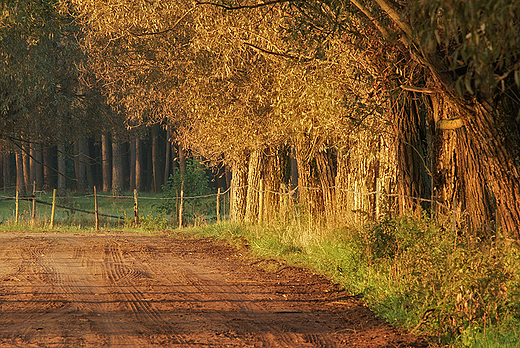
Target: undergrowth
[(457, 289)]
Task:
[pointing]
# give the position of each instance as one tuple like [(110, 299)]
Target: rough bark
[(413, 167), (239, 189), (310, 194), (253, 185), (493, 148), (326, 170), (107, 163)]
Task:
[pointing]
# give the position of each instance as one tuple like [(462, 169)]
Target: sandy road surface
[(60, 290)]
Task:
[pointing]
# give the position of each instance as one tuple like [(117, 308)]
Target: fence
[(177, 211), (178, 204)]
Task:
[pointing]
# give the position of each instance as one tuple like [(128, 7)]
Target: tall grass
[(455, 288)]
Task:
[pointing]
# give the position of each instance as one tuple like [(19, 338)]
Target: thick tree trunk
[(326, 171), (239, 189), (117, 168), (309, 186), (62, 181), (494, 150), (107, 163), (413, 181), (253, 186), (459, 178), (277, 172)]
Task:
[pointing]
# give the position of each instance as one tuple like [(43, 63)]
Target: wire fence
[(292, 193)]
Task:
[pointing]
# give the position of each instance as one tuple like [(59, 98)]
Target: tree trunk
[(85, 151), (326, 169), (156, 159), (27, 150), (493, 148), (182, 159), (239, 189), (107, 163), (117, 168), (79, 166), (6, 158), (253, 185), (168, 161), (38, 166), (138, 164), (20, 182), (132, 164), (310, 194), (48, 166), (413, 179), (62, 181)]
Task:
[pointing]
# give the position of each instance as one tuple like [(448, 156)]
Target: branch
[(391, 11), (420, 89), (372, 18), (278, 54), (242, 7)]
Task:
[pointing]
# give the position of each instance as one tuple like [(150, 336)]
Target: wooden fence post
[(136, 209), (33, 217), (17, 207), (96, 211), (181, 205), (53, 210), (218, 205)]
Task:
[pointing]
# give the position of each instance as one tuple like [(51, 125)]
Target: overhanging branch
[(242, 7)]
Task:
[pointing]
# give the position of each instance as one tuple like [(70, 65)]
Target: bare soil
[(64, 290)]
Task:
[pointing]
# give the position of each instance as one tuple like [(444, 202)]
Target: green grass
[(155, 212)]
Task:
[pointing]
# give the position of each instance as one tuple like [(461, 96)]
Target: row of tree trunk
[(143, 162)]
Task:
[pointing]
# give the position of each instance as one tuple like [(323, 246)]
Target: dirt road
[(61, 290)]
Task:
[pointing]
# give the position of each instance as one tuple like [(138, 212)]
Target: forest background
[(342, 113)]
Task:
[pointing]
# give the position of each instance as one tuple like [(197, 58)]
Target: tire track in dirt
[(124, 277), (130, 291), (240, 307)]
